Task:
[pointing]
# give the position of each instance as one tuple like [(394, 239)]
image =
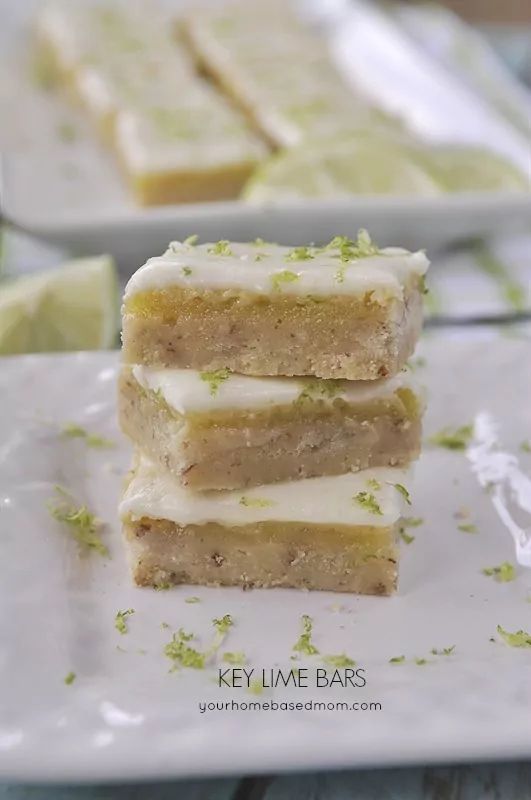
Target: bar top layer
[(343, 267), (368, 498), (188, 391)]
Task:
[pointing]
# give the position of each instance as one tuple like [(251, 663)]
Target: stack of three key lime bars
[(265, 390)]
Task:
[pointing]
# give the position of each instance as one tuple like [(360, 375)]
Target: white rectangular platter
[(126, 716)]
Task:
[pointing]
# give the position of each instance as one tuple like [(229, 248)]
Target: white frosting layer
[(330, 500), (267, 268), (186, 391), (285, 77)]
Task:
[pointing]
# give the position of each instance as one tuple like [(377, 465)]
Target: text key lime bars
[(265, 391)]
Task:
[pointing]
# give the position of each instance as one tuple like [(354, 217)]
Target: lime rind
[(74, 307)]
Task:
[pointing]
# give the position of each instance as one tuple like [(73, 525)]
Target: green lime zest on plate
[(256, 687), (120, 620), (304, 642), (397, 660), (525, 446), (186, 271), (182, 654), (81, 523), (339, 661), (373, 484), (407, 538), (445, 651), (192, 240), (467, 527), (503, 574), (519, 639), (457, 439), (70, 678), (236, 658), (192, 600), (73, 431)]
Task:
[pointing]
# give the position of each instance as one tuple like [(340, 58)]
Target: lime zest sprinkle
[(70, 678), (318, 389), (285, 276), (525, 446), (120, 620), (82, 524), (467, 527), (221, 248), (397, 660), (368, 501), (255, 502), (406, 537), (236, 658), (256, 686), (180, 652), (373, 484), (445, 651), (519, 639), (67, 132), (191, 241), (339, 661), (74, 431), (412, 522), (186, 271), (404, 492), (421, 661), (300, 254), (350, 249), (503, 574), (304, 642), (192, 600), (457, 439), (215, 379)]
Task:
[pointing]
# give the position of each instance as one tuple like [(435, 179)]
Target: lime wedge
[(460, 169), (74, 307), (363, 164)]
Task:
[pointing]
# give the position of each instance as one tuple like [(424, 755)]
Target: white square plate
[(127, 717)]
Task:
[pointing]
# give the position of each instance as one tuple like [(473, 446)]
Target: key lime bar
[(346, 310), (109, 55), (225, 431), (332, 533), (175, 137), (194, 148), (276, 70)]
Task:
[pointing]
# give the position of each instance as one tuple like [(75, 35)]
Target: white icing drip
[(384, 275), (185, 391), (329, 500), (509, 488)]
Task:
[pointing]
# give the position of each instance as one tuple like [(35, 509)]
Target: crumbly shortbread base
[(359, 560), (187, 186), (227, 450), (338, 337)]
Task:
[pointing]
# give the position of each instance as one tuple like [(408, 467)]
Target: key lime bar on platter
[(346, 310), (276, 70), (175, 137), (332, 533), (217, 430)]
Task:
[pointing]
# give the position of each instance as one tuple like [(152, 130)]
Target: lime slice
[(74, 307), (364, 164), (461, 169)]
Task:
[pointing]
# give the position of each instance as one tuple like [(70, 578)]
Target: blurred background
[(121, 130)]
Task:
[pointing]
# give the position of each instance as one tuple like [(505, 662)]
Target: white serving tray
[(125, 717)]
